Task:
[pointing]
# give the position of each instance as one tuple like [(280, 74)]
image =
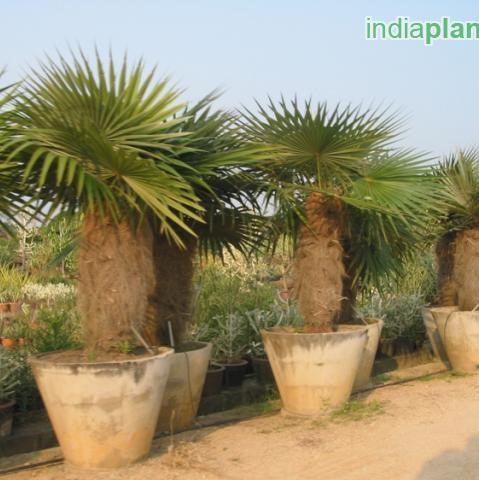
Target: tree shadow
[(454, 464)]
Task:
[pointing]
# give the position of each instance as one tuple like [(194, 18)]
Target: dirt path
[(426, 430)]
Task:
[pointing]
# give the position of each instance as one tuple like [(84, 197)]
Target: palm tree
[(100, 140), (220, 168), (457, 246), (354, 207), (13, 197)]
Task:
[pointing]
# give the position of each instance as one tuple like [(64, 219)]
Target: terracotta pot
[(104, 414), (6, 418), (314, 371), (214, 380), (8, 343), (10, 307), (182, 396), (459, 333), (363, 377)]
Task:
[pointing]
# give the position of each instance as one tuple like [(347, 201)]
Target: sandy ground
[(426, 430)]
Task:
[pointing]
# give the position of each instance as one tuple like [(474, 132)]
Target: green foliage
[(235, 286), (125, 347), (100, 138), (8, 376), (345, 154), (52, 247), (26, 394), (458, 177), (54, 329), (12, 282), (358, 410), (399, 300), (8, 251), (401, 314), (229, 338)]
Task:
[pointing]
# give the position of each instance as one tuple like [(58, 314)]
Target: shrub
[(235, 286), (53, 329), (8, 376), (402, 317), (12, 281)]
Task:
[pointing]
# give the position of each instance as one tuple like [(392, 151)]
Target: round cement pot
[(363, 377), (182, 396), (104, 414), (6, 418), (459, 333), (432, 331), (314, 371), (214, 380)]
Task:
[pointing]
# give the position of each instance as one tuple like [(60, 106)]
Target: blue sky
[(255, 48)]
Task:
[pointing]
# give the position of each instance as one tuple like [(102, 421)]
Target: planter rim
[(213, 366), (357, 331), (444, 307), (42, 360)]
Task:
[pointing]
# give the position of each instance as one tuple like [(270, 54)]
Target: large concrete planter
[(314, 371), (432, 331), (459, 333), (363, 377), (181, 400), (103, 414)]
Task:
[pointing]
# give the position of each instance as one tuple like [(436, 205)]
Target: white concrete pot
[(103, 414), (428, 317), (181, 400), (459, 333), (363, 377), (314, 371)]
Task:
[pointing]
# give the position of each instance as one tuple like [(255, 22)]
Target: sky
[(255, 48)]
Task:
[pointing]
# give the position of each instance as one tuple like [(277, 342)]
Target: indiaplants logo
[(403, 28)]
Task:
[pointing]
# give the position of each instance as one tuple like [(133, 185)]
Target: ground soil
[(425, 430)]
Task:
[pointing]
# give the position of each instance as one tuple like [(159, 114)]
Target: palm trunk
[(348, 302), (466, 268), (318, 267), (115, 279), (447, 288), (172, 299)]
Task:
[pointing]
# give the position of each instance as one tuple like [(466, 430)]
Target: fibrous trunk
[(447, 288), (466, 268), (115, 279), (348, 301), (318, 267), (172, 298)]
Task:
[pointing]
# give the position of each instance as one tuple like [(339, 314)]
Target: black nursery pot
[(214, 380), (234, 373), (263, 371)]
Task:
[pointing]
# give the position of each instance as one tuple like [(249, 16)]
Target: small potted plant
[(8, 382), (229, 346), (12, 282), (214, 380)]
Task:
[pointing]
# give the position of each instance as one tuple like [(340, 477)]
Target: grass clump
[(358, 410)]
